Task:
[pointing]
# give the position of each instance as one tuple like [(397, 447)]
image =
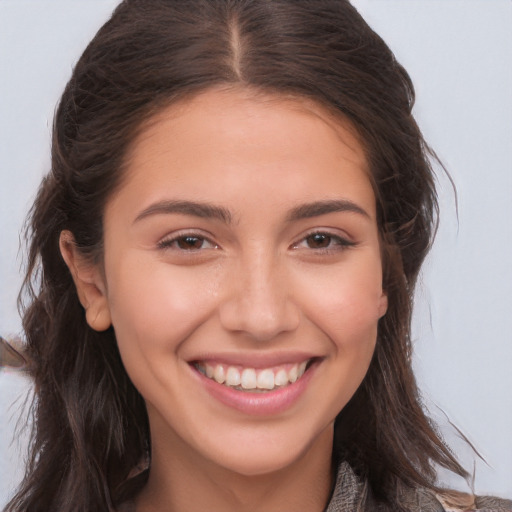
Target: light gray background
[(459, 54)]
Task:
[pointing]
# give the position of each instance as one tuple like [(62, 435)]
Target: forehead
[(236, 106), (240, 138)]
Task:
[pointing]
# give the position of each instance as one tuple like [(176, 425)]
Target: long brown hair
[(90, 423)]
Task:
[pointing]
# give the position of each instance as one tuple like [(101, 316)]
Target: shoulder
[(460, 502), (350, 493), (423, 500)]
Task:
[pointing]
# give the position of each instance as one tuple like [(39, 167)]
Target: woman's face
[(242, 275)]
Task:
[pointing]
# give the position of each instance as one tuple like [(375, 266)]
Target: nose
[(260, 303)]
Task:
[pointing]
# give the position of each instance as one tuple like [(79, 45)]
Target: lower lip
[(254, 403)]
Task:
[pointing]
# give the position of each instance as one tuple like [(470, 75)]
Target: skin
[(259, 286)]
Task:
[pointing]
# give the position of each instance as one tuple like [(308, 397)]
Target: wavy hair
[(90, 423)]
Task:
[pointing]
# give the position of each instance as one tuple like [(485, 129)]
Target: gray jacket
[(349, 491)]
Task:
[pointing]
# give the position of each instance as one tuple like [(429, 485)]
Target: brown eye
[(318, 241), (190, 242), (187, 243), (323, 243)]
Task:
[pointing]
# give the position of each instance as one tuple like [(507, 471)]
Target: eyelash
[(172, 243), (335, 242)]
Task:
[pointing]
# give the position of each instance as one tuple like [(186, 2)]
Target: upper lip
[(254, 359)]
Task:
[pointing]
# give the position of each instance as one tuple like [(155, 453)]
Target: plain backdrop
[(459, 55)]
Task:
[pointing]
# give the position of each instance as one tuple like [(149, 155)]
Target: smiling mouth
[(252, 379)]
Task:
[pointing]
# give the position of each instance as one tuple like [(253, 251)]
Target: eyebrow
[(317, 208), (203, 210), (208, 210)]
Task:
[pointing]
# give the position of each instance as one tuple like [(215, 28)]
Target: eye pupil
[(190, 242), (318, 241)]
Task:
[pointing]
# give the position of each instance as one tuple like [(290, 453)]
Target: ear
[(383, 304), (89, 282)]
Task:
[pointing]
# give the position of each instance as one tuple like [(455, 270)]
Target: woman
[(238, 208)]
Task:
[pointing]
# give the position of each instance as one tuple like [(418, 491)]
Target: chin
[(261, 463), (271, 454)]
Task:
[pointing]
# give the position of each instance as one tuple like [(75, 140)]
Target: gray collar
[(348, 491)]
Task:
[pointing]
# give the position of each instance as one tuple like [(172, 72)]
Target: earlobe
[(98, 316), (89, 283)]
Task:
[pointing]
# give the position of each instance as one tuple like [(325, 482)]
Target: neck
[(180, 482)]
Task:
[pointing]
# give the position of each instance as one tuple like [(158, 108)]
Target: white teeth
[(248, 379), (281, 378), (219, 375), (233, 377), (293, 374), (265, 379)]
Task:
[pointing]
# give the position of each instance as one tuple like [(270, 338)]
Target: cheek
[(347, 304), (155, 306)]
